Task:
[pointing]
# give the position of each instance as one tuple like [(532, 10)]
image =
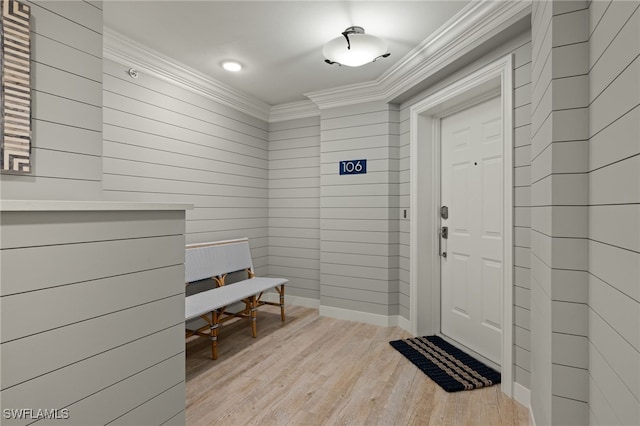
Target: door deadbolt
[(444, 212)]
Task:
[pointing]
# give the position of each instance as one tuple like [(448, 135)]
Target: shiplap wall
[(294, 205), (559, 215), (359, 220), (585, 216), (540, 296), (66, 67), (520, 48), (167, 144), (92, 309), (91, 301), (614, 213), (404, 202), (522, 212)]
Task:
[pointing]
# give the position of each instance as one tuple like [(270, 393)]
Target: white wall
[(614, 213), (559, 214), (294, 206), (359, 220), (404, 223), (167, 144), (585, 221), (92, 309), (92, 301), (66, 106), (540, 295)]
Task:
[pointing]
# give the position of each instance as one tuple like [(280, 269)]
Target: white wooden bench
[(215, 260)]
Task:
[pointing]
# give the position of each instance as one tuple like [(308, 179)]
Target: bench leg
[(214, 335), (254, 316), (281, 291)]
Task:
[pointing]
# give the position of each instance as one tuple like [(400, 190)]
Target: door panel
[(459, 284), (472, 188)]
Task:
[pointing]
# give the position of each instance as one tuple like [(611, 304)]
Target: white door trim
[(425, 199)]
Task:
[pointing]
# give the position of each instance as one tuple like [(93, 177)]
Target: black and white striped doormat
[(445, 364)]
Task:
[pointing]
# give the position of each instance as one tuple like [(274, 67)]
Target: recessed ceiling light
[(231, 66)]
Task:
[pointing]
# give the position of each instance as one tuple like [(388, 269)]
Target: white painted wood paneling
[(96, 373), (66, 67), (294, 205), (359, 266), (103, 293), (36, 312), (164, 143), (92, 260), (614, 202), (80, 30), (540, 271), (134, 393)]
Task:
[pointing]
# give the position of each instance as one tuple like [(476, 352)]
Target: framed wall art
[(15, 96)]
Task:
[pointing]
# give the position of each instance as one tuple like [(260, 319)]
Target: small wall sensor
[(133, 73)]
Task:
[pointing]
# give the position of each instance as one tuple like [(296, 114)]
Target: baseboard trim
[(365, 317), (339, 313), (349, 315), (522, 395), (532, 420), (292, 300), (401, 322)]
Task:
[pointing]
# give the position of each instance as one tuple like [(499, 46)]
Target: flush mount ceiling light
[(231, 66), (354, 48)]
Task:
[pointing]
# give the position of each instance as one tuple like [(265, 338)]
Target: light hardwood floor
[(315, 370)]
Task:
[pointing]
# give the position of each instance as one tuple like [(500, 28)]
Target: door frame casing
[(424, 262)]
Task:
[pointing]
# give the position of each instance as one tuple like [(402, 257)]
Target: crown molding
[(472, 26), (128, 52), (293, 110)]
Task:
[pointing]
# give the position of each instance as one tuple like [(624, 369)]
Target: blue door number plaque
[(353, 167)]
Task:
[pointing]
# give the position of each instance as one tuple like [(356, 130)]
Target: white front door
[(471, 188)]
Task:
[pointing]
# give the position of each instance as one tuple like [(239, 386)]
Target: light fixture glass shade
[(364, 49)]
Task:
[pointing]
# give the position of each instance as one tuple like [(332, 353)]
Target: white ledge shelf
[(55, 205)]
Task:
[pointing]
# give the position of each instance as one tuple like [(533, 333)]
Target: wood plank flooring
[(315, 370)]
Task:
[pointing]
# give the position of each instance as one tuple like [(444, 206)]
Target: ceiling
[(278, 42)]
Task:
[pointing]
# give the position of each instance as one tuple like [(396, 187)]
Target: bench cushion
[(206, 301)]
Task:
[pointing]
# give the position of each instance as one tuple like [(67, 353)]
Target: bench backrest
[(207, 260)]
